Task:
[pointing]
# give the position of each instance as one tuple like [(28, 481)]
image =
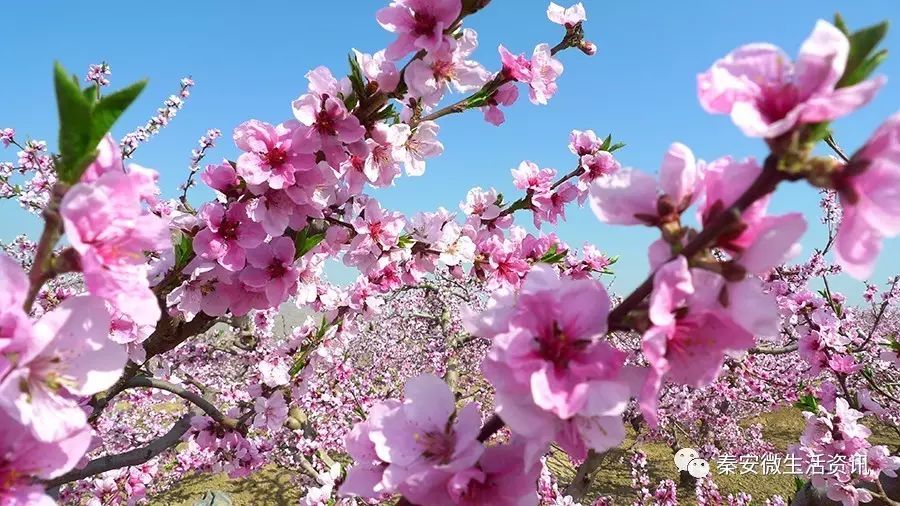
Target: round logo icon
[(687, 459)]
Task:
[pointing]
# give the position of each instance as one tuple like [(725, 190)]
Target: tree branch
[(130, 458), (764, 184), (774, 351), (196, 399)]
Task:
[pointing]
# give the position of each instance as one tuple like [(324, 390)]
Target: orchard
[(144, 342)]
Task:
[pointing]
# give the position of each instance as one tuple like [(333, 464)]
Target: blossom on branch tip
[(539, 73), (554, 377), (632, 197), (767, 95), (869, 190), (419, 24), (568, 17)]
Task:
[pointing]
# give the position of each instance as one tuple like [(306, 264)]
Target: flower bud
[(587, 47)]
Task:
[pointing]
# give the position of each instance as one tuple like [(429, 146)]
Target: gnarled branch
[(130, 458), (196, 399)]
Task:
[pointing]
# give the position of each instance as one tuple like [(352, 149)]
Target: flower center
[(375, 230), (777, 100), (358, 163), (444, 69), (324, 120), (437, 446), (275, 157), (228, 229), (9, 477), (276, 270), (424, 23), (557, 347)]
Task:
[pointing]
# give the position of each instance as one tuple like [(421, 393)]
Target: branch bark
[(130, 458), (196, 399)]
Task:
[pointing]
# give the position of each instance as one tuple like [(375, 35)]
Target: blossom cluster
[(469, 347)]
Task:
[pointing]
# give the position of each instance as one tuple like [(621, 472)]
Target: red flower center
[(424, 23), (275, 157), (557, 347), (777, 100), (276, 269)]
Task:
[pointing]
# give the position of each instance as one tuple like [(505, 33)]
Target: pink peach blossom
[(868, 187), (419, 24), (268, 154), (227, 236), (767, 95), (568, 17), (68, 356)]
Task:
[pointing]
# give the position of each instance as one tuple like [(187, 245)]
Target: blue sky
[(248, 60)]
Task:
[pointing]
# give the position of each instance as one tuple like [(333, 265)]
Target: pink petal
[(616, 199), (79, 327), (752, 308), (841, 102), (776, 243), (14, 282), (822, 60), (672, 284), (678, 173), (857, 245), (429, 401)]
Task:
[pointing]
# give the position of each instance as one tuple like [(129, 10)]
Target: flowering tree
[(152, 343)]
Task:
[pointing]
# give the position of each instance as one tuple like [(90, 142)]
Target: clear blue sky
[(248, 60)]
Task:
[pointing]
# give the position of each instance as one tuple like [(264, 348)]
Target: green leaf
[(618, 145), (867, 68), (298, 364), (110, 107), (301, 359), (894, 344), (862, 43), (90, 93), (405, 240), (607, 142), (386, 113), (840, 24), (351, 101), (799, 483), (807, 403), (554, 255), (183, 249), (550, 252), (817, 132), (84, 120), (357, 81), (74, 124), (305, 242)]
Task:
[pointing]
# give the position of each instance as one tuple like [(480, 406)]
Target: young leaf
[(840, 24), (807, 403), (74, 124), (304, 242), (866, 68), (862, 43), (110, 107), (183, 249), (357, 81), (607, 142)]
